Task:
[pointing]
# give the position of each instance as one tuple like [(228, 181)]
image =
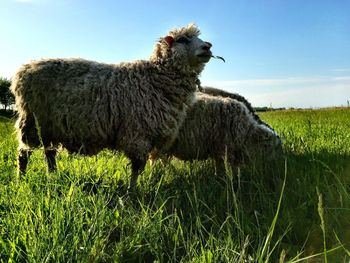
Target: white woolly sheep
[(220, 127), (85, 106)]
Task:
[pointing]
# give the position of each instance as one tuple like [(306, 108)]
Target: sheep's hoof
[(131, 192)]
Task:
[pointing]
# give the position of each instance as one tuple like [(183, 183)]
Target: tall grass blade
[(265, 250), (323, 225)]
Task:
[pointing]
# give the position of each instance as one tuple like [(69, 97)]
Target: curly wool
[(235, 96), (218, 127), (86, 106)]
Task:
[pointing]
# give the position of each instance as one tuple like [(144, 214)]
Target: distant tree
[(6, 97)]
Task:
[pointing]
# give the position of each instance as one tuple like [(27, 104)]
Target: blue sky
[(285, 53)]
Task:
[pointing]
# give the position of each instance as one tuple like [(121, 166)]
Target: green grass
[(296, 209)]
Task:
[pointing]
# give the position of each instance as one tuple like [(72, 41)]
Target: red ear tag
[(169, 40)]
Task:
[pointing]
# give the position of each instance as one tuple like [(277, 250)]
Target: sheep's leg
[(219, 167), (137, 164), (51, 159), (28, 131), (23, 157)]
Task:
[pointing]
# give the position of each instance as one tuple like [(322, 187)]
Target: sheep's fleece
[(86, 106), (221, 127)]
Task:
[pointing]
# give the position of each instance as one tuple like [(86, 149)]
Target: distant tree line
[(263, 109), (6, 97)]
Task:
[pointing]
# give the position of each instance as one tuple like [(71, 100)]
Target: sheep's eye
[(183, 40)]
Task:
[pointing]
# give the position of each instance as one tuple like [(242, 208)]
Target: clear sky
[(284, 53)]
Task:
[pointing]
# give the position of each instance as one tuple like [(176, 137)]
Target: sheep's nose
[(207, 46)]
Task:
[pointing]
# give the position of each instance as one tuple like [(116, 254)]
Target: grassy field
[(296, 209)]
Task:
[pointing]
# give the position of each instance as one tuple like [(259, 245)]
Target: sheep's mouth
[(205, 56)]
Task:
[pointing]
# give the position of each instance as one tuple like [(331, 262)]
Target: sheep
[(220, 126), (86, 106)]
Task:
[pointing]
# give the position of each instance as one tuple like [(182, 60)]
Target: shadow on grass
[(243, 206), (6, 115)]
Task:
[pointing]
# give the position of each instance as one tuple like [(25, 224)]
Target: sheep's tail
[(28, 136)]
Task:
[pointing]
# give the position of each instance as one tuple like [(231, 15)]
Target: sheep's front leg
[(137, 165), (51, 159)]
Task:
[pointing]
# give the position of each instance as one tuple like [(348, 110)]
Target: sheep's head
[(183, 48), (263, 142)]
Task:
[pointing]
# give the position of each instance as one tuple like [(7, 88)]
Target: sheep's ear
[(169, 40)]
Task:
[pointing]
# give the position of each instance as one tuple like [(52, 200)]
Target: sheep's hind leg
[(22, 159), (137, 164), (51, 159)]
